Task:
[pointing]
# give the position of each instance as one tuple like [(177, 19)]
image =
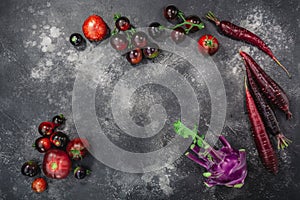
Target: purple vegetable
[(225, 166)]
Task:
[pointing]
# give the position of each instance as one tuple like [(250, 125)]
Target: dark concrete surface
[(38, 69)]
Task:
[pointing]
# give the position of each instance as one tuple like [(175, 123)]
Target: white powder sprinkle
[(163, 179), (46, 44), (46, 27), (40, 72), (49, 63), (30, 9), (54, 32)]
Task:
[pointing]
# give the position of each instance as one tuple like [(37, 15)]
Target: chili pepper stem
[(283, 67)]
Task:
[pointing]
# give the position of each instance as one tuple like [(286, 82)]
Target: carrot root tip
[(289, 115), (283, 67), (282, 141)]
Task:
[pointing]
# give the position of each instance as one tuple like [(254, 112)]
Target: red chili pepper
[(236, 32), (267, 114), (261, 139), (269, 87)]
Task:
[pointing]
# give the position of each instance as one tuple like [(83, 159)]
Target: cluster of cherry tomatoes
[(207, 44), (136, 45), (182, 25), (59, 151)]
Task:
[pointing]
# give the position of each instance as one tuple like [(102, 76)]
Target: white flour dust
[(50, 39), (163, 179)]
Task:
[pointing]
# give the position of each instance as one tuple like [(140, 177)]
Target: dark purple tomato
[(151, 51), (81, 172), (171, 12), (30, 168), (59, 139), (119, 42), (139, 39), (134, 56), (42, 144), (194, 20), (154, 30), (123, 24), (46, 128), (178, 35), (59, 120)]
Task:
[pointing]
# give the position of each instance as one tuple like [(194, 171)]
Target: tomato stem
[(181, 15), (54, 166), (117, 16), (115, 31)]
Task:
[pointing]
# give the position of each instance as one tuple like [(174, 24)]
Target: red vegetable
[(76, 148), (46, 128), (267, 113), (56, 164), (59, 139), (269, 87), (39, 185), (94, 28), (42, 144), (208, 44), (261, 139), (236, 32)]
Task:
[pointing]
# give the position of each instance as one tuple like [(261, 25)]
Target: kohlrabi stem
[(185, 132), (196, 160)]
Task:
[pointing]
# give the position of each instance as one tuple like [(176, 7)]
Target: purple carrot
[(268, 86), (267, 114), (260, 136)]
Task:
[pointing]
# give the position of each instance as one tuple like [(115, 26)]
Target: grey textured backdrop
[(38, 69)]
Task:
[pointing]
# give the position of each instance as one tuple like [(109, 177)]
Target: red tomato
[(56, 164), (77, 148), (208, 44), (46, 128), (94, 28), (42, 144), (39, 185)]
